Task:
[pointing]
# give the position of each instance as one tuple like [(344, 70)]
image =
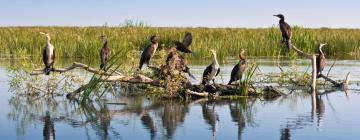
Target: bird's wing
[(44, 57), (187, 40), (234, 71), (207, 72), (217, 73), (288, 30), (102, 56), (146, 54)]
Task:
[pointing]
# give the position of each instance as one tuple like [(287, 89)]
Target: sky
[(181, 13)]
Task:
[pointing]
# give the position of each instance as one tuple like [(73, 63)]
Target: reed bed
[(84, 42)]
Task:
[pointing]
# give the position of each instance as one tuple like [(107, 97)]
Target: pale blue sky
[(194, 13)]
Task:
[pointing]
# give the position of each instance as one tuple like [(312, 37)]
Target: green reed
[(129, 41)]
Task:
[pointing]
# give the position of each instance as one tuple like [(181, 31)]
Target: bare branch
[(301, 53), (73, 66)]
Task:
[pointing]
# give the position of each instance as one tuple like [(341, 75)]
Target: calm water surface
[(335, 116)]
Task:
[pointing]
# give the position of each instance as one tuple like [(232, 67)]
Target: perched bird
[(184, 46), (239, 69), (175, 61), (212, 70), (149, 51), (104, 52), (285, 30), (320, 60), (48, 54)]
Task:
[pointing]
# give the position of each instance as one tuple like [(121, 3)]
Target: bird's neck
[(214, 60), (282, 20), (105, 44), (320, 51), (48, 40), (242, 57), (154, 44)]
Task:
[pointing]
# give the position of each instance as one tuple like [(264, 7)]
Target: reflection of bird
[(239, 69), (148, 122), (212, 70), (285, 30), (48, 130), (149, 51), (48, 54), (320, 60), (212, 118), (184, 46), (236, 112), (105, 52)]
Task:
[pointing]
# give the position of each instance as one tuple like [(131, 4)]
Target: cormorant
[(285, 30), (239, 68), (105, 52), (148, 52), (211, 71), (48, 54), (184, 46), (320, 60)]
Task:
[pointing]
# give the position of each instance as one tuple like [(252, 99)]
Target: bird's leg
[(213, 81)]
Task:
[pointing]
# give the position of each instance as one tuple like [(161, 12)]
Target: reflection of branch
[(73, 66)]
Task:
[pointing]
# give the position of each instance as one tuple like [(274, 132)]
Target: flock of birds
[(209, 73)]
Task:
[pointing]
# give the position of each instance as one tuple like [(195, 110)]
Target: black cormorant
[(184, 46), (211, 71), (105, 52), (148, 52), (239, 69), (320, 60), (285, 30), (48, 54)]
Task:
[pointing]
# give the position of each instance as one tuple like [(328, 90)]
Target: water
[(334, 116)]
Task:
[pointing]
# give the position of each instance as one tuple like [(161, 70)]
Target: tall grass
[(129, 41)]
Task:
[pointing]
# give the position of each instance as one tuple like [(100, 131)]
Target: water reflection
[(211, 117), (299, 122), (236, 112), (160, 118), (49, 130)]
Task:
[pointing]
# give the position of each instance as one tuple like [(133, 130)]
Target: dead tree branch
[(73, 66)]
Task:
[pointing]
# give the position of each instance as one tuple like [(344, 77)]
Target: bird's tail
[(288, 44), (47, 70), (230, 82), (203, 81), (102, 66)]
